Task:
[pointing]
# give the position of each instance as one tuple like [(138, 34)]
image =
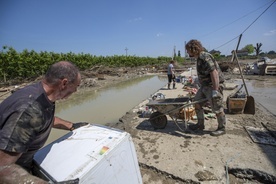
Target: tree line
[(29, 64)]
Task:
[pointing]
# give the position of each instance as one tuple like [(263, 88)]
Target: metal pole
[(185, 51), (126, 50)]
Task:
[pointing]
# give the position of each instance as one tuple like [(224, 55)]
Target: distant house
[(215, 52), (241, 53)]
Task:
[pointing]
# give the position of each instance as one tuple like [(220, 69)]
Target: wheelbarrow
[(175, 108)]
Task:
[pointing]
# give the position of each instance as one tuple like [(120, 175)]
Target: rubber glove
[(78, 125), (215, 94)]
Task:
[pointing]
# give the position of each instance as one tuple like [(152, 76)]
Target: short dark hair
[(61, 70)]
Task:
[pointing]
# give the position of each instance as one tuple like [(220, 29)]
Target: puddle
[(106, 105), (263, 91)]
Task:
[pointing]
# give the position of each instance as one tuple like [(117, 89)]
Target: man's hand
[(215, 94), (78, 125), (73, 181)]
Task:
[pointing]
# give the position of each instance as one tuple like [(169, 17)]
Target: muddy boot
[(174, 86), (199, 126), (200, 121), (221, 126), (169, 86)]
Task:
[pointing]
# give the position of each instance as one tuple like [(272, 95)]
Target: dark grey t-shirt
[(205, 65), (26, 119)]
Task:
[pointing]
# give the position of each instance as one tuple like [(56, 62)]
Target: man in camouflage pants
[(211, 87)]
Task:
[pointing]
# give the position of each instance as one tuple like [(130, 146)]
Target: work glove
[(78, 125), (74, 181), (215, 94)]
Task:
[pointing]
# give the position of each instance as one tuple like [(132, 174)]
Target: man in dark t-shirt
[(26, 119), (28, 116)]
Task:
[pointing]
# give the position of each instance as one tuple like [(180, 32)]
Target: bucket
[(189, 113), (177, 80), (236, 105)]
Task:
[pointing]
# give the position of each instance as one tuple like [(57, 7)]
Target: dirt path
[(171, 156)]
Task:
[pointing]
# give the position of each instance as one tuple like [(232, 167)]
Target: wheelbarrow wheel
[(158, 120)]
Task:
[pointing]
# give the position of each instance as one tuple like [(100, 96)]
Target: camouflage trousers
[(205, 92)]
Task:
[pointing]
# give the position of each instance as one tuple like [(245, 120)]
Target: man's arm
[(172, 70), (12, 173), (67, 125), (215, 79), (62, 124)]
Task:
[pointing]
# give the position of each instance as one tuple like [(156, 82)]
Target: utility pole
[(185, 51), (174, 53), (126, 50)]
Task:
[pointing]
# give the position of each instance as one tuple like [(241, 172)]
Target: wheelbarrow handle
[(198, 101)]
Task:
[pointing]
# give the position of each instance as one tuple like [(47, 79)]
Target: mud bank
[(172, 156)]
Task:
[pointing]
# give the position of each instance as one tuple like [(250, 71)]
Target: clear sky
[(145, 27)]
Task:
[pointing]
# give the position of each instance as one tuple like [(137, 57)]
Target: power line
[(249, 25), (259, 16), (235, 20)]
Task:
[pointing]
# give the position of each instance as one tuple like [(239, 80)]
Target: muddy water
[(106, 105), (263, 92)]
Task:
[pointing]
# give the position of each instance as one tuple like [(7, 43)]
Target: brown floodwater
[(106, 105)]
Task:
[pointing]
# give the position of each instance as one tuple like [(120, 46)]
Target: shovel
[(250, 102)]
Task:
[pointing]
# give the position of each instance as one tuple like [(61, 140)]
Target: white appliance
[(94, 154)]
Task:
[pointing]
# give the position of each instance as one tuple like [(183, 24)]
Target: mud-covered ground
[(152, 173), (99, 77)]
